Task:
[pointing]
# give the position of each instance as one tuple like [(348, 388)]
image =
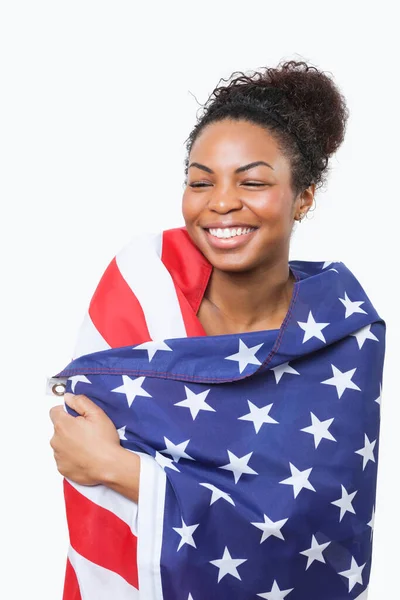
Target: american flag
[(258, 450)]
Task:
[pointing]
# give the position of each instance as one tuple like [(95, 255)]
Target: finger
[(54, 445), (56, 413), (81, 404)]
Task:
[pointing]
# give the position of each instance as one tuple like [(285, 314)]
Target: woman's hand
[(85, 447)]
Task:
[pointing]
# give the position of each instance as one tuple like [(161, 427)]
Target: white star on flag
[(330, 262), (258, 416), (345, 502), (368, 451), (275, 593), (352, 306), (238, 466), (152, 347), (121, 433), (177, 451), (371, 523), (245, 356), (227, 565), (195, 402), (353, 574), (313, 329), (342, 381), (364, 334), (165, 462), (379, 399), (217, 494), (186, 532), (76, 379), (319, 429), (298, 479), (269, 528), (282, 369), (315, 551), (132, 388)]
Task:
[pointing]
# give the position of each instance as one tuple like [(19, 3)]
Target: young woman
[(254, 161)]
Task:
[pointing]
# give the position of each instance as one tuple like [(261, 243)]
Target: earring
[(301, 216)]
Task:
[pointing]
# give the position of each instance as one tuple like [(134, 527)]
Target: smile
[(229, 237), (229, 232)]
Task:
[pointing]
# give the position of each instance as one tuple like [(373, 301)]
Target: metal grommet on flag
[(58, 389), (56, 386)]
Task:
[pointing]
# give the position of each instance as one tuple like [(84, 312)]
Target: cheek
[(273, 210), (270, 211), (191, 207)]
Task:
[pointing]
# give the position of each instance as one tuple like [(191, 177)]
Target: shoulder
[(335, 281)]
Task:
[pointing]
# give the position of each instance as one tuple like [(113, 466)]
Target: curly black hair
[(298, 104)]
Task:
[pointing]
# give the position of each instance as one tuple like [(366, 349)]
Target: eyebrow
[(238, 170)]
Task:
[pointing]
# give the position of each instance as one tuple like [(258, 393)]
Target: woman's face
[(229, 191)]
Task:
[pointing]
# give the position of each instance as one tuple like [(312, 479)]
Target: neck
[(251, 300)]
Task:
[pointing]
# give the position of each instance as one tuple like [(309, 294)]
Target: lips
[(234, 225), (229, 242)]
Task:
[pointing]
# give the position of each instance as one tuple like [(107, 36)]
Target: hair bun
[(316, 106)]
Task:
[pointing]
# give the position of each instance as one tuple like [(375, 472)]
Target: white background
[(97, 99)]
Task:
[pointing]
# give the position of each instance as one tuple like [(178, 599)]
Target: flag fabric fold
[(258, 450)]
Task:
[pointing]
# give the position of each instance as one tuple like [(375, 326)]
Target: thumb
[(81, 404)]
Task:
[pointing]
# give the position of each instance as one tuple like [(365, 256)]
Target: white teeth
[(228, 232)]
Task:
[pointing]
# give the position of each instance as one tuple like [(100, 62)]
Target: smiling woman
[(255, 159), (222, 389)]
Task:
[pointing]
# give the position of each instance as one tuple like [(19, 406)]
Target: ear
[(304, 201)]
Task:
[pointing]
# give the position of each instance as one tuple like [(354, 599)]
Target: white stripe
[(150, 527), (98, 583), (89, 339), (141, 266), (122, 507), (363, 595)]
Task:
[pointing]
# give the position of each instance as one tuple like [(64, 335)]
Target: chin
[(232, 264)]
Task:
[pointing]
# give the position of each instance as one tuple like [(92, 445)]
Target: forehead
[(229, 141)]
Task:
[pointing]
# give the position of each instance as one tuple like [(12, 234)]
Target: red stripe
[(192, 324), (100, 536), (116, 312), (71, 585), (190, 272)]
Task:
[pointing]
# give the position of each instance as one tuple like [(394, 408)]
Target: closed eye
[(250, 183)]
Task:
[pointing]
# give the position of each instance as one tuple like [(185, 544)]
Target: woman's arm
[(87, 448), (122, 473)]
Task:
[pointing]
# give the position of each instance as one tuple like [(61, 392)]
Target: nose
[(223, 202)]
